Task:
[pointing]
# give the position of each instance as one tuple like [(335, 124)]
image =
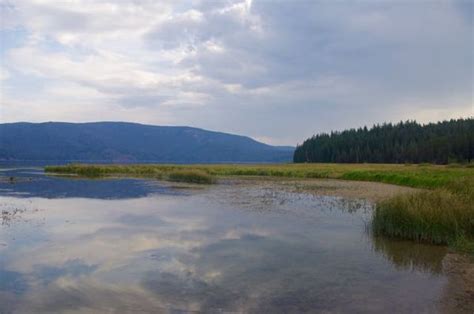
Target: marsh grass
[(421, 176), (440, 216), (105, 170), (190, 176), (169, 173)]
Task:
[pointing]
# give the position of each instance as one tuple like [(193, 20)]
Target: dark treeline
[(404, 142)]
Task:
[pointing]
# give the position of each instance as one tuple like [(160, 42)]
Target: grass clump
[(90, 170), (463, 244), (190, 176), (81, 170), (439, 216), (165, 172)]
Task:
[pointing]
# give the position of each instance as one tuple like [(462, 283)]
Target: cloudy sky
[(278, 71)]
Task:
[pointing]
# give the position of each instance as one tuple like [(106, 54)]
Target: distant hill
[(404, 142), (131, 142)]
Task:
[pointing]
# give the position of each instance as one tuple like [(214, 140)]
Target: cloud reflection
[(231, 248)]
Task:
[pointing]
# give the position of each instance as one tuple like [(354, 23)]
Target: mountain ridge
[(131, 142)]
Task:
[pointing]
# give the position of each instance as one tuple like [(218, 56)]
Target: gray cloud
[(279, 71)]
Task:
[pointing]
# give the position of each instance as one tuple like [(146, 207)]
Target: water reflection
[(227, 248), (33, 183), (406, 256)]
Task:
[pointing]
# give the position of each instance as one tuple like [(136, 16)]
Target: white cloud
[(280, 71), (4, 74)]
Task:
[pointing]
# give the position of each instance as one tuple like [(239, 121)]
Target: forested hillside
[(404, 142), (130, 142)]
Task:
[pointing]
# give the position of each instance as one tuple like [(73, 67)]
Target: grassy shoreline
[(418, 176), (173, 174), (439, 216), (441, 213)]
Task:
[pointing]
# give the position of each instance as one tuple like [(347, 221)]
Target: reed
[(190, 176), (421, 176), (440, 216)]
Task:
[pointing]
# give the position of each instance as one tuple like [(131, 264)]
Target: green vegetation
[(440, 216), (107, 170), (421, 176), (406, 142), (169, 173), (190, 176)]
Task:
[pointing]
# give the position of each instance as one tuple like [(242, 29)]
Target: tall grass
[(440, 216), (190, 176), (174, 174), (424, 176), (105, 170)]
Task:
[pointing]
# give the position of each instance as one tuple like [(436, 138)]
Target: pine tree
[(404, 142)]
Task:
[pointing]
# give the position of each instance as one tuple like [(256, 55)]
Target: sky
[(278, 71)]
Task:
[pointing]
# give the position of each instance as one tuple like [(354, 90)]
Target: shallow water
[(130, 245)]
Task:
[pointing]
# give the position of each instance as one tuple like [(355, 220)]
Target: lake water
[(141, 246)]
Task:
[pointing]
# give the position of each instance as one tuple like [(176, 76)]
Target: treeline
[(404, 142)]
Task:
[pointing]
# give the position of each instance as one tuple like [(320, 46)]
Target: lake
[(143, 246)]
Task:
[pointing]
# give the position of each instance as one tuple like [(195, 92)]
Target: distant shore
[(412, 175)]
